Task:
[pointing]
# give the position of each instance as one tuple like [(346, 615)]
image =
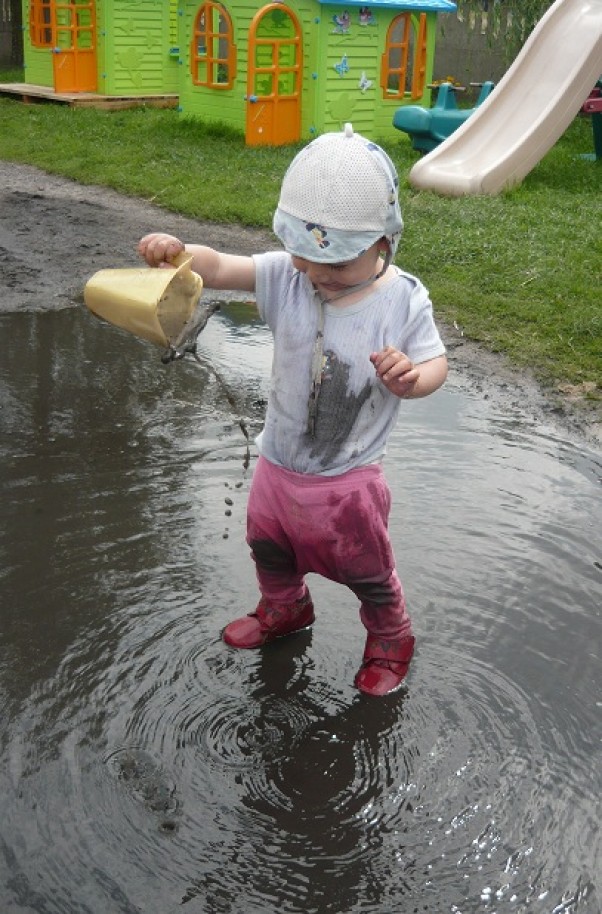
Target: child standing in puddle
[(353, 336)]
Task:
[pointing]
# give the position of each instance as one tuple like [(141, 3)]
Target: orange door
[(274, 80), (74, 41)]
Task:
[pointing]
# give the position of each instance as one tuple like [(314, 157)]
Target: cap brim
[(319, 244)]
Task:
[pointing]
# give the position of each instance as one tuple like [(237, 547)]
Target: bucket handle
[(180, 259)]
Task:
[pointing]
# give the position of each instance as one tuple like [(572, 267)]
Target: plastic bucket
[(154, 304)]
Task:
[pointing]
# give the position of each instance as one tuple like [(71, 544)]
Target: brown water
[(146, 767)]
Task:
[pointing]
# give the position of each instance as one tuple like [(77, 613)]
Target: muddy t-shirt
[(355, 411)]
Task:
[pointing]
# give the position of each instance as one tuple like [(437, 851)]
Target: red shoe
[(269, 622), (385, 665)]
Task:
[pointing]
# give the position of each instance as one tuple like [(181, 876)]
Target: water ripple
[(146, 766)]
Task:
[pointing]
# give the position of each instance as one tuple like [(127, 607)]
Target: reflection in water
[(146, 767)]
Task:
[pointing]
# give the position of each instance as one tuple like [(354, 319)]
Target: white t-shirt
[(356, 412)]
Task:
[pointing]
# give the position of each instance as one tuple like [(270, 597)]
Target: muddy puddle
[(146, 767)]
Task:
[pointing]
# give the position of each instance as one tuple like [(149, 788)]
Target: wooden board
[(30, 94)]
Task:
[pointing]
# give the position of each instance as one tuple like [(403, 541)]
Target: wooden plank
[(29, 93)]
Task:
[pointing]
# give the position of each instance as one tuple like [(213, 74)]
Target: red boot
[(269, 622), (385, 665)]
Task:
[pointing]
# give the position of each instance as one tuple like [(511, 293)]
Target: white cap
[(339, 196)]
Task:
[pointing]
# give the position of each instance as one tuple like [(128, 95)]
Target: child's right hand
[(159, 249)]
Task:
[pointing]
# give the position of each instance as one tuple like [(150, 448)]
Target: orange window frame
[(420, 57), (212, 50), (400, 47), (40, 23)]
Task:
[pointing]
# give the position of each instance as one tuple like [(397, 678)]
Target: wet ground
[(145, 766)]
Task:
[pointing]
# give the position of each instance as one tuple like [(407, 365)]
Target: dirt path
[(54, 233)]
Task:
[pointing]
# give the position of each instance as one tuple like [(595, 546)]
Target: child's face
[(332, 278)]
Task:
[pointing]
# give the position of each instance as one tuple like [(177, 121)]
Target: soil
[(55, 233)]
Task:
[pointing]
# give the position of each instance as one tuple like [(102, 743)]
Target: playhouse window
[(276, 54), (40, 23), (213, 57), (403, 66)]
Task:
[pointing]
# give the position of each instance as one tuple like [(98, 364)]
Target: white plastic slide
[(527, 112)]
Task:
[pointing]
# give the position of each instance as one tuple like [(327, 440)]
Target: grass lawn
[(520, 272)]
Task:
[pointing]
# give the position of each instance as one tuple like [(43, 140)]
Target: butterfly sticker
[(364, 82), (343, 66)]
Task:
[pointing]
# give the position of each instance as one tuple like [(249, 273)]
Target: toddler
[(353, 336)]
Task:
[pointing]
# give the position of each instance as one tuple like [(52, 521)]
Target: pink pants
[(335, 526)]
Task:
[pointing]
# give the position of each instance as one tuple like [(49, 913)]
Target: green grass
[(14, 75), (519, 272)]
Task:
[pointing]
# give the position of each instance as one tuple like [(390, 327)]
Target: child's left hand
[(397, 372)]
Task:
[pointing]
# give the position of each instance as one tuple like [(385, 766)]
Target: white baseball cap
[(339, 196)]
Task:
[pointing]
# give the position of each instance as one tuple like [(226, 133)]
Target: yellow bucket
[(151, 303)]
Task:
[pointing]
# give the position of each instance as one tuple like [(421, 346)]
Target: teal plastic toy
[(427, 127)]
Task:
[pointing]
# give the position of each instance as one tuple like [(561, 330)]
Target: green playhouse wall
[(37, 62), (223, 105), (348, 84), (135, 41), (37, 66)]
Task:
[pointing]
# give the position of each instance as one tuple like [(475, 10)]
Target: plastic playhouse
[(279, 71), (429, 127)]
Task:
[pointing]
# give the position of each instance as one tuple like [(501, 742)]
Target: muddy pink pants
[(335, 526)]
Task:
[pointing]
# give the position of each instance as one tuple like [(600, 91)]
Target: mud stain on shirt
[(338, 409)]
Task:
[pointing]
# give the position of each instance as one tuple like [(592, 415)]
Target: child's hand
[(159, 249), (396, 371)]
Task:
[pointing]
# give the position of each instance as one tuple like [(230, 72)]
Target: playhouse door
[(74, 52), (274, 79)]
